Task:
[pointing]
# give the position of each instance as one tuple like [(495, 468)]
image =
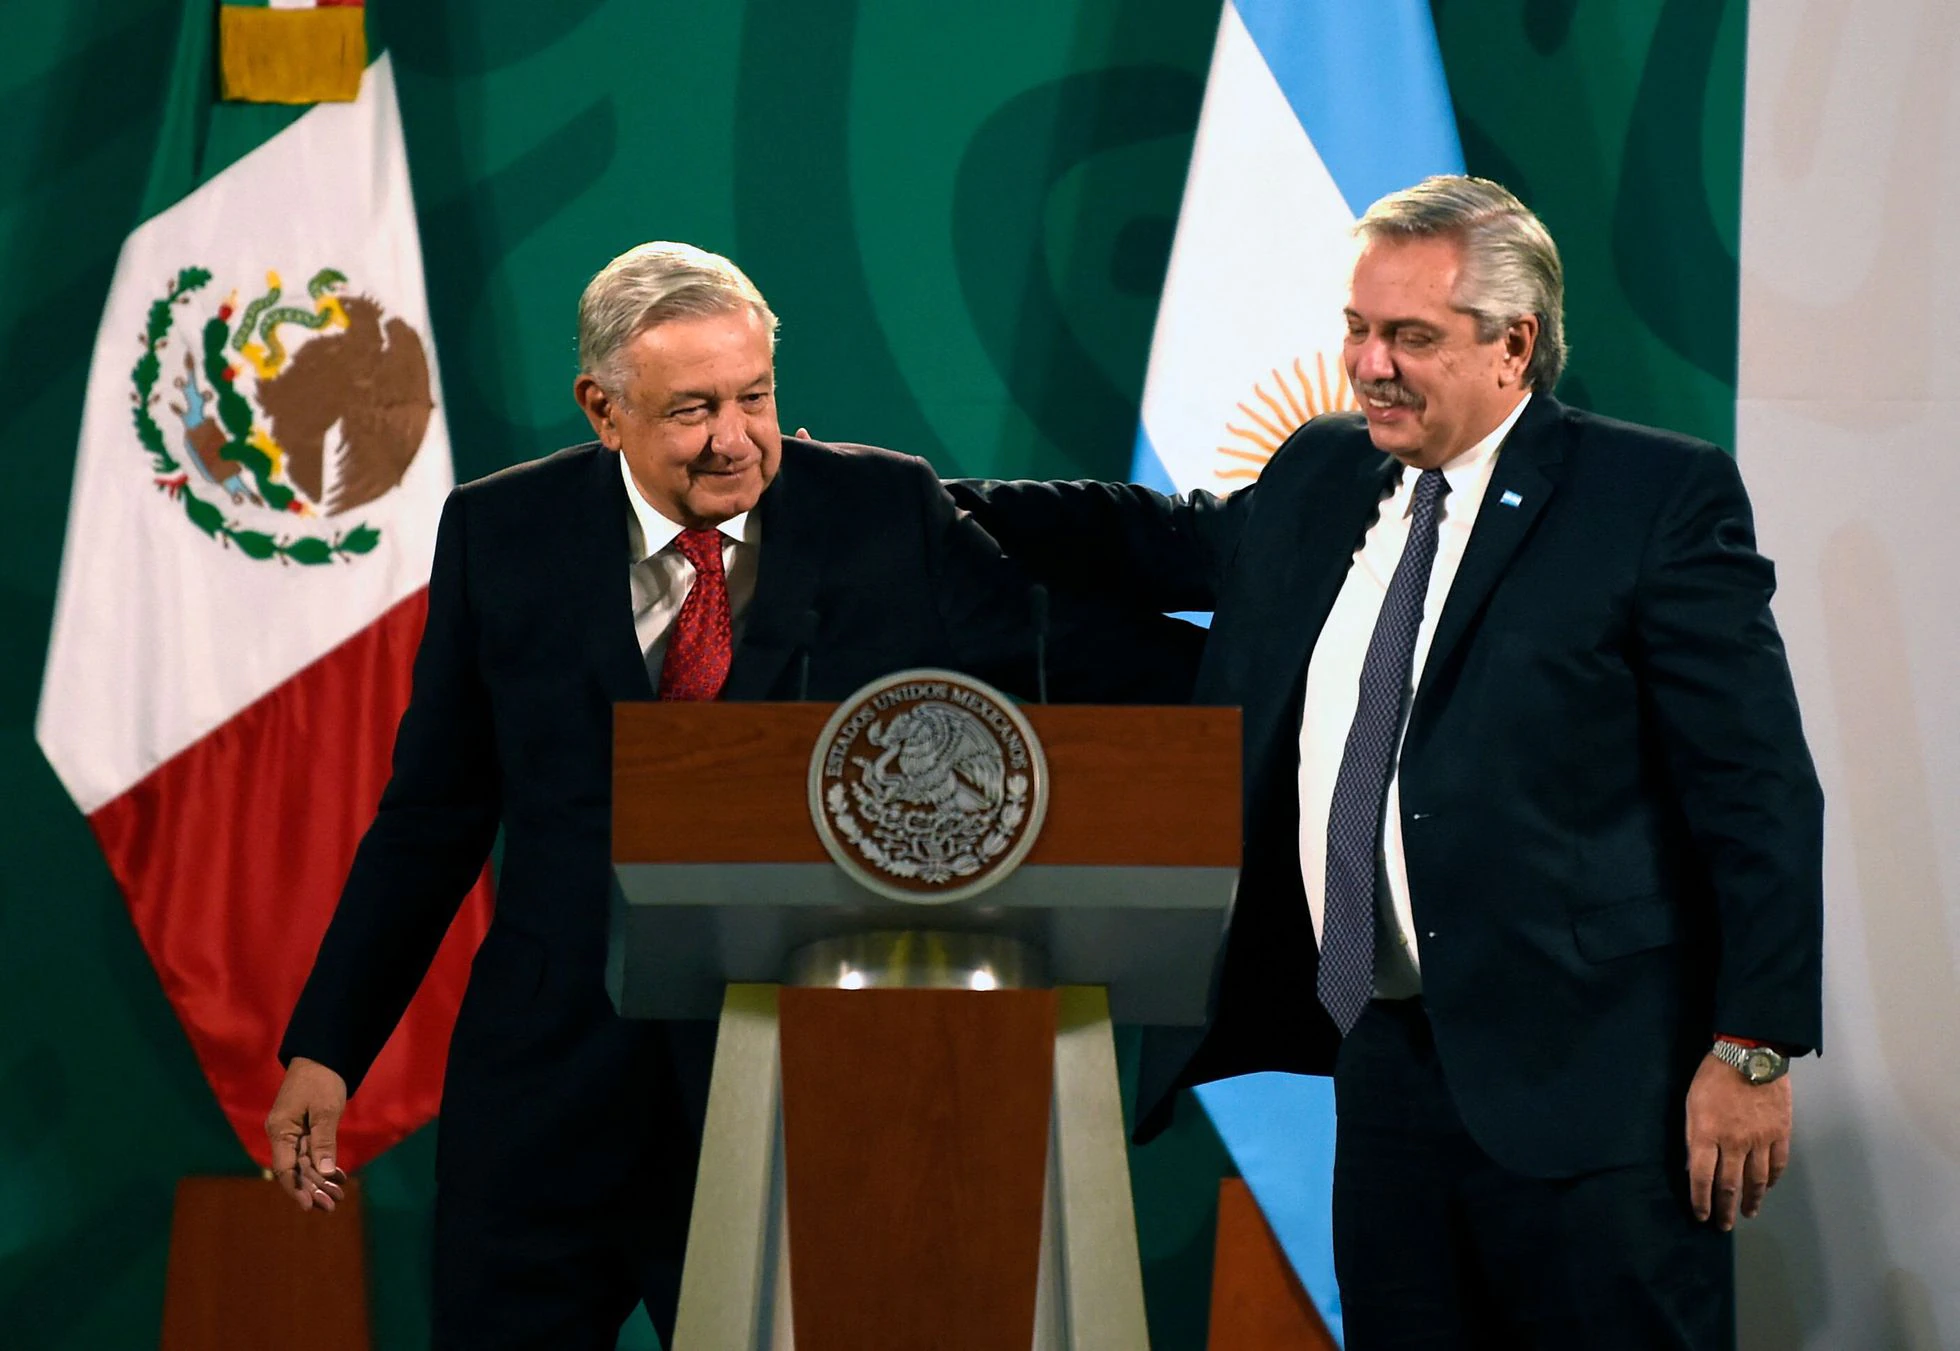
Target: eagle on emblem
[(369, 379), (945, 758)]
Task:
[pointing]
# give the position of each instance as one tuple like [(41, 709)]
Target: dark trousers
[(1437, 1246), (550, 1275), (549, 1242)]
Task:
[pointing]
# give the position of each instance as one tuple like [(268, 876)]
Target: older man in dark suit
[(692, 552), (1532, 840)]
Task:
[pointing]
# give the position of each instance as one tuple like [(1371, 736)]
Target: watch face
[(1761, 1065)]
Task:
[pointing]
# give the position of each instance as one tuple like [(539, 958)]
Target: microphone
[(1038, 617), (804, 643)]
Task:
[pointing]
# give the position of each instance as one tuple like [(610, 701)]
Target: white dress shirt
[(1334, 690), (662, 577)]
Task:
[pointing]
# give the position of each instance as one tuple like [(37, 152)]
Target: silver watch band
[(1757, 1064)]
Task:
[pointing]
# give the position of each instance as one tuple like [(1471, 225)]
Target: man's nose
[(1372, 360), (728, 431)]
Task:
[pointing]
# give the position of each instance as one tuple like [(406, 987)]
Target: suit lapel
[(1521, 483), (1326, 520), (1331, 531), (602, 561), (776, 625)]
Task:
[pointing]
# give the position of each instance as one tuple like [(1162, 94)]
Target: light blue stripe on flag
[(1279, 1130), (1366, 81), (1147, 468)]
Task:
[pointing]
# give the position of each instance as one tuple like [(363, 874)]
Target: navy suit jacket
[(1612, 826), (866, 568)]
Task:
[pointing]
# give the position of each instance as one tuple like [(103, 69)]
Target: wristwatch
[(1757, 1064)]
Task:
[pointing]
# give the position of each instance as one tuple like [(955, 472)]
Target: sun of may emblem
[(272, 420), (1289, 398)]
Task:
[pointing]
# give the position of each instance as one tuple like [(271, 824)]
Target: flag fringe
[(291, 55)]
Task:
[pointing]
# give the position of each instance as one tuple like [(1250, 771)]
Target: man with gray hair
[(1533, 844), (690, 552)]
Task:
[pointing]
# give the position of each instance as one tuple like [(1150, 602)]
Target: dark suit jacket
[(1612, 827), (866, 566)]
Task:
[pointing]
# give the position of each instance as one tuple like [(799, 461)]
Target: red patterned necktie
[(699, 647)]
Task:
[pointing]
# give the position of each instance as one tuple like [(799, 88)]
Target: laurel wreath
[(892, 848), (236, 415)]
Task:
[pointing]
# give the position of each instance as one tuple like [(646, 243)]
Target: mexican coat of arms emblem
[(273, 420), (928, 786)]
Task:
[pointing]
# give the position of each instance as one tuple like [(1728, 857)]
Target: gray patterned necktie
[(1354, 818)]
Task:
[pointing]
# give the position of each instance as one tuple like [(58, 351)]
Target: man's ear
[(600, 409), (1520, 341)]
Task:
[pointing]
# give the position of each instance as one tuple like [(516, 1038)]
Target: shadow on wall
[(1783, 1271), (1780, 1271), (1908, 1310)]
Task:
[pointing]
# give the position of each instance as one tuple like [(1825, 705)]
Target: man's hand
[(1738, 1141), (304, 1120)]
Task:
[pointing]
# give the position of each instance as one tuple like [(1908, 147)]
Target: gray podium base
[(1148, 934), (735, 1293)]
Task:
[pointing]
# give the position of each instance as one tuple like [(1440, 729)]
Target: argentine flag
[(1314, 109)]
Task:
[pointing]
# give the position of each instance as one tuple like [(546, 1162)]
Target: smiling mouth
[(1388, 401)]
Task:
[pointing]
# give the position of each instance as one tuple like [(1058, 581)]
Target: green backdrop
[(962, 214)]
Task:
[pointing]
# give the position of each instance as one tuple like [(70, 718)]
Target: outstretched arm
[(1099, 648), (1116, 540)]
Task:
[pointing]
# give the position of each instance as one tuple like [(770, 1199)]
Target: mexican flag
[(262, 461)]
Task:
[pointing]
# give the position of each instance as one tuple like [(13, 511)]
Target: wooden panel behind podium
[(915, 1136), (1257, 1303)]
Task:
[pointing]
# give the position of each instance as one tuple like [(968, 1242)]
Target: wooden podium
[(914, 1134)]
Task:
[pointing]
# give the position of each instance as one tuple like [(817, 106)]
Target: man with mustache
[(690, 552), (1533, 843)]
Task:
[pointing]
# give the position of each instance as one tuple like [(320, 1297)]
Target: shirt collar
[(648, 532), (1465, 473)]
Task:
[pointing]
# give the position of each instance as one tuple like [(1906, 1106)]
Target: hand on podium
[(304, 1119)]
